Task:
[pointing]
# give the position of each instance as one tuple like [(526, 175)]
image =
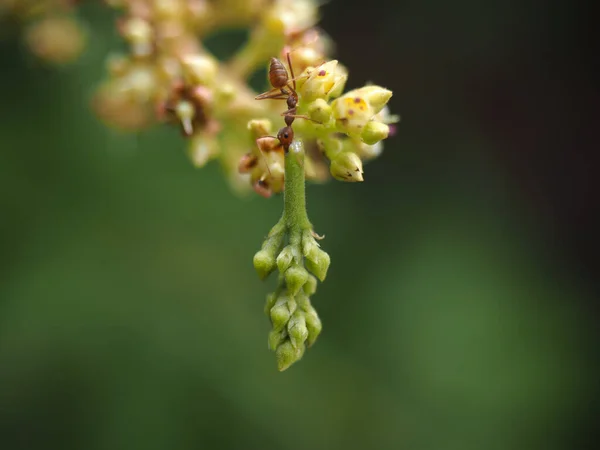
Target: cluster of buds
[(361, 115), (53, 33), (168, 76), (295, 323)]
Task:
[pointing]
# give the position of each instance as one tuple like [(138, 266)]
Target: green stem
[(294, 197)]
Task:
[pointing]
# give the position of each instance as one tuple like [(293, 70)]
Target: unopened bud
[(271, 299), (276, 338), (309, 244), (376, 96), (347, 166), (259, 128), (320, 111), (310, 287), (264, 263), (199, 69), (321, 81), (297, 329), (351, 114), (287, 355), (295, 277), (280, 313), (330, 146), (314, 326), (317, 261), (285, 258), (375, 132)]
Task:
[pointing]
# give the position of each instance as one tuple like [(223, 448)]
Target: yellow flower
[(322, 81), (355, 109)]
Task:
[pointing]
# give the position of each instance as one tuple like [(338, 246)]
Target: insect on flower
[(283, 90)]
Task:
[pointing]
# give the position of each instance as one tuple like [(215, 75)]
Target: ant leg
[(272, 94), (299, 116), (289, 60)]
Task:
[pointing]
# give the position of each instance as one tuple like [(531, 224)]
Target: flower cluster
[(167, 76), (361, 115), (296, 324)]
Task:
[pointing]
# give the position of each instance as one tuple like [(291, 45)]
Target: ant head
[(286, 136)]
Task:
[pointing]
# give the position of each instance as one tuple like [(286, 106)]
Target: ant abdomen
[(278, 74)]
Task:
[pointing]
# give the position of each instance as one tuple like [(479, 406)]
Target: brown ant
[(280, 80), (283, 90)]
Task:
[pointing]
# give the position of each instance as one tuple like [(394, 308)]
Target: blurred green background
[(458, 311)]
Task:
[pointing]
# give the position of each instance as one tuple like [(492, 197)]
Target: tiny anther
[(322, 73)]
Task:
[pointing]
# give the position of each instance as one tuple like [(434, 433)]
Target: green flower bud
[(310, 287), (276, 338), (347, 166), (320, 111), (285, 258), (297, 329), (271, 299), (295, 277), (375, 132), (314, 326), (264, 263), (317, 261), (287, 355), (309, 244), (282, 311), (303, 301)]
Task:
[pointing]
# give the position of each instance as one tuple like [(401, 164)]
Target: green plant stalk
[(295, 216)]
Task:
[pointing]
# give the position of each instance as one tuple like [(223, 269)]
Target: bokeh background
[(460, 308)]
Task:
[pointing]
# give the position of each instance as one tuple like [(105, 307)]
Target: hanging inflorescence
[(168, 76)]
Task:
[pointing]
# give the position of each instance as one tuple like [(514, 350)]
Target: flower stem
[(294, 197)]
